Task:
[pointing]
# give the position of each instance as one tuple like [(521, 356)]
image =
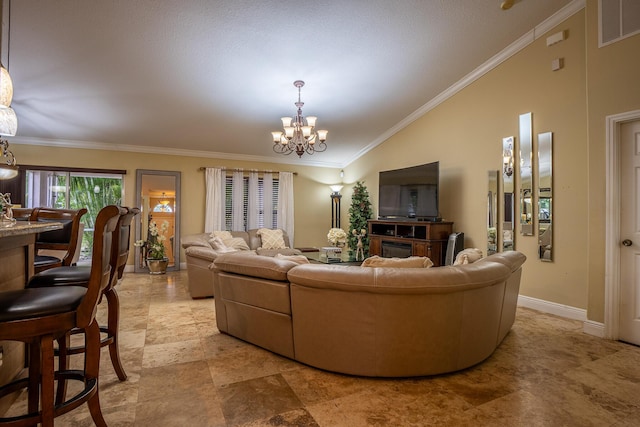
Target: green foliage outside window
[(93, 193)]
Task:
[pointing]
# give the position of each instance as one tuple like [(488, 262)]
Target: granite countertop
[(19, 228)]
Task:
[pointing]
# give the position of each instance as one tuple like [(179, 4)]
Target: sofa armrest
[(201, 252), (250, 264), (201, 240)]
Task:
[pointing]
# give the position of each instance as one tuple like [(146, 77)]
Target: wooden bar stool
[(79, 276), (38, 316)]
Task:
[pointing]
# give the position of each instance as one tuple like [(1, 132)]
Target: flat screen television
[(410, 193)]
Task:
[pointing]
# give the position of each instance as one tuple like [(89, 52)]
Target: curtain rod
[(245, 170)]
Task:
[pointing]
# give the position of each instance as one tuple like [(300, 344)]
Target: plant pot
[(157, 266)]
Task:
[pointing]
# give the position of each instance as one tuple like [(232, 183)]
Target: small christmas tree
[(359, 212)]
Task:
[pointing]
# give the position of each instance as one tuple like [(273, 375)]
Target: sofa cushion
[(274, 252), (410, 262), (271, 239)]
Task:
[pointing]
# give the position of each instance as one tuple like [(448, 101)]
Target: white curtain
[(237, 201), (285, 203), (253, 202), (214, 215), (267, 194)]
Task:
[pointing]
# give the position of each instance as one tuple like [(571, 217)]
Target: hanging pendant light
[(6, 87), (8, 120)]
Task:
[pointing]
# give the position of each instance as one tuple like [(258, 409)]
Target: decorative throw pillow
[(411, 262), (271, 239), (237, 243), (467, 256), (219, 246), (224, 235), (298, 259)]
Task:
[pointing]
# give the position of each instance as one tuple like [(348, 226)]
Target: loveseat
[(370, 321), (200, 255)]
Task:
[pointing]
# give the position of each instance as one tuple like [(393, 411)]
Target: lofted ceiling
[(211, 78)]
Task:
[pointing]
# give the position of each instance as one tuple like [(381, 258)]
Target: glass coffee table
[(339, 258)]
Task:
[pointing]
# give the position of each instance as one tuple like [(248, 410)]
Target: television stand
[(425, 238)]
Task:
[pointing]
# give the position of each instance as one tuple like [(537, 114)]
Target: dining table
[(17, 254)]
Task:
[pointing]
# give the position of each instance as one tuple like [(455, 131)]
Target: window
[(67, 189), (271, 217)]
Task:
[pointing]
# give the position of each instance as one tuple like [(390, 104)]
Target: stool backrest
[(106, 223), (67, 238), (120, 245)]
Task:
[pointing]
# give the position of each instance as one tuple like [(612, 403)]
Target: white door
[(630, 232)]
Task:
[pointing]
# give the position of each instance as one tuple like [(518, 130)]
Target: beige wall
[(465, 133), (312, 201)]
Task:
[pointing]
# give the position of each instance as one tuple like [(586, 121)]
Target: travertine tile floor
[(183, 372)]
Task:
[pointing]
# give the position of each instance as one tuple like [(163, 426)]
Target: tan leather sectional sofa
[(387, 322), (200, 256)]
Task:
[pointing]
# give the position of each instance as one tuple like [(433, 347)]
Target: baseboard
[(561, 310), (593, 328), (588, 326)]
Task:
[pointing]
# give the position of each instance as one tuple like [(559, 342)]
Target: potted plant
[(153, 248)]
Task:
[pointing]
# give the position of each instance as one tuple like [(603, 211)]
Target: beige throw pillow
[(224, 235), (271, 239), (467, 256), (411, 262), (298, 259), (219, 246), (237, 243)]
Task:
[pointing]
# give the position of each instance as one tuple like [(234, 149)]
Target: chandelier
[(300, 134)]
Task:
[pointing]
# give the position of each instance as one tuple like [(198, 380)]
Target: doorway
[(158, 198), (617, 258), (629, 232)]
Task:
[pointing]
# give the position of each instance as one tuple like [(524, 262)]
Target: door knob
[(627, 242)]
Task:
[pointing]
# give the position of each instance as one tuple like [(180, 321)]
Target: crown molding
[(92, 145)]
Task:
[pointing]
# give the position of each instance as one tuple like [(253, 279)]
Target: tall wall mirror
[(508, 168), (492, 212), (545, 192), (158, 197), (526, 176)]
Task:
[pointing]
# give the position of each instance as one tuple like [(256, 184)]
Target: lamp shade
[(8, 122), (8, 171), (6, 87), (336, 188)]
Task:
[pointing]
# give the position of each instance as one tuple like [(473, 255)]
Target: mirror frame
[(492, 212), (526, 176), (545, 196), (508, 188), (140, 173)]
